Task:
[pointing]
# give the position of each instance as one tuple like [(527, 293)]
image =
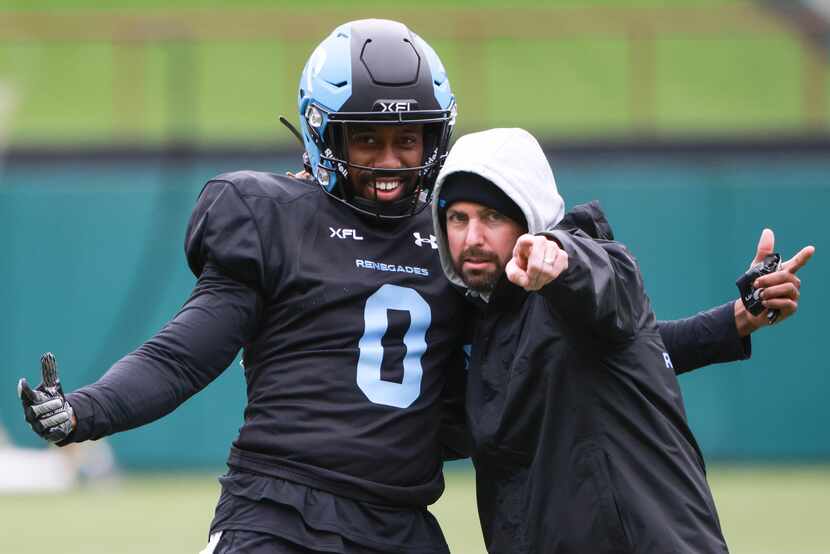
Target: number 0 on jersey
[(369, 379)]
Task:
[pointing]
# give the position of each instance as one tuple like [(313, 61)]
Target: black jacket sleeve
[(601, 290), (709, 337), (188, 353)]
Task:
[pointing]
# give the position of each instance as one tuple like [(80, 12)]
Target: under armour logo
[(420, 241), (667, 359)]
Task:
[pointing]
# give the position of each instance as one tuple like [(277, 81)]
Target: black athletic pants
[(251, 542)]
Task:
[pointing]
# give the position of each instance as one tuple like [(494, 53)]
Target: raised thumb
[(766, 246), (49, 367)]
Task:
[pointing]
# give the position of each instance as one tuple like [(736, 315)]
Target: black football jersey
[(356, 332), (349, 333)]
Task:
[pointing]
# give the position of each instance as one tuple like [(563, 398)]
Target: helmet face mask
[(384, 166), (374, 73)]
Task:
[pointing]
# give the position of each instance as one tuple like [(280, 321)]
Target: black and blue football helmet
[(374, 72)]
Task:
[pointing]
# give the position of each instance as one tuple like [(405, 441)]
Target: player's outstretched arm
[(181, 359), (227, 255)]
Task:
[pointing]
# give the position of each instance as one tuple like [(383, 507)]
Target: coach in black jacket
[(581, 443)]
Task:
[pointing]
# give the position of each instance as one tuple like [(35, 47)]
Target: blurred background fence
[(695, 124), (221, 75)]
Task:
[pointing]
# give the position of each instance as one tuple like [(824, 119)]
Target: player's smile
[(387, 185), (384, 189)]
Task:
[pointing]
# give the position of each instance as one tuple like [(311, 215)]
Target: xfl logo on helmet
[(420, 241), (395, 106)]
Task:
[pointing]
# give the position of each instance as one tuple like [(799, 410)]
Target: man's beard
[(480, 280)]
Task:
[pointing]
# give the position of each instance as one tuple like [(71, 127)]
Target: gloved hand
[(45, 407)]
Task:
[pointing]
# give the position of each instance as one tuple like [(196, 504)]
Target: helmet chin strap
[(393, 208), (293, 130)]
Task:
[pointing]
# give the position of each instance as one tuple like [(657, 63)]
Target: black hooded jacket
[(580, 438), (579, 435)]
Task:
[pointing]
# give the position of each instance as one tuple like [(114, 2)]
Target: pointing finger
[(797, 262), (515, 274), (522, 249)]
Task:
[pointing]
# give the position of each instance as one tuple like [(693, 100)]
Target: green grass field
[(763, 510)]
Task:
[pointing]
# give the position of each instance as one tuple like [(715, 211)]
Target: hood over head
[(513, 161), (590, 219)]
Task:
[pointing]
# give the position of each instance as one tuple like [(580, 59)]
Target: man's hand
[(536, 262), (45, 407), (303, 175), (781, 289)]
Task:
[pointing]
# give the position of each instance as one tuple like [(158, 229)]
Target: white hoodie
[(513, 161)]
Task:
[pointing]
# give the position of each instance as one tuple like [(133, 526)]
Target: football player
[(352, 338)]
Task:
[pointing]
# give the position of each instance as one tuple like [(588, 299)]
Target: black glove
[(750, 296), (45, 407)]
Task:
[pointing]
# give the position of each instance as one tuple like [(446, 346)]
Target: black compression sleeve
[(709, 337), (218, 319)]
